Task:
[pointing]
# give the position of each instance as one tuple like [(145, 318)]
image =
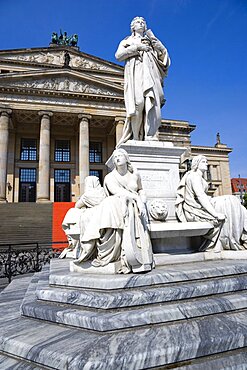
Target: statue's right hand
[(144, 47)]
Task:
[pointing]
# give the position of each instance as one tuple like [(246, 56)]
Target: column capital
[(120, 119), (45, 113), (5, 111), (83, 116)]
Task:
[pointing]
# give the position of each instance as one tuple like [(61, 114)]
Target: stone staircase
[(186, 316), (25, 223)]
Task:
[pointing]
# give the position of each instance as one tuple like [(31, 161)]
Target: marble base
[(122, 309), (195, 332), (166, 259), (87, 268), (172, 273), (176, 238)]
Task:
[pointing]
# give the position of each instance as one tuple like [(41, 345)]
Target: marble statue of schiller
[(146, 65)]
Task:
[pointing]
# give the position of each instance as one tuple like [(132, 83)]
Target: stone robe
[(119, 230), (231, 233), (143, 80)]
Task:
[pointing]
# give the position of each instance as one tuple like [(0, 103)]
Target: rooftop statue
[(225, 213), (64, 39), (146, 65), (66, 59)]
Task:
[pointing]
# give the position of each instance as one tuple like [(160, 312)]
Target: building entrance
[(27, 187)]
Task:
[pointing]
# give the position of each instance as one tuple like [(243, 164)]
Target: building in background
[(61, 115), (239, 187)]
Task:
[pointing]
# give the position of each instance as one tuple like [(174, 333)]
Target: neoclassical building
[(60, 122)]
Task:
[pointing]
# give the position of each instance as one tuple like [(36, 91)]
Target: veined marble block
[(201, 317)]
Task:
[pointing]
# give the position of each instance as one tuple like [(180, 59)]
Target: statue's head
[(158, 209), (138, 20), (120, 156), (199, 161)]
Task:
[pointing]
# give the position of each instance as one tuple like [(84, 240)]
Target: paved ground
[(4, 281)]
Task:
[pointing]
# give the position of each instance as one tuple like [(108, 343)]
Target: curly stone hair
[(132, 24)]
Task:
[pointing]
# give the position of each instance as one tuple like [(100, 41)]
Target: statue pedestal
[(158, 165), (87, 268)]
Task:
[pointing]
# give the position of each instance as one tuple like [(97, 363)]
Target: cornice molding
[(38, 92), (211, 149)]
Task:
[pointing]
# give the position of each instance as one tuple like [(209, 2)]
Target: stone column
[(119, 128), (83, 149), (4, 137), (43, 194)]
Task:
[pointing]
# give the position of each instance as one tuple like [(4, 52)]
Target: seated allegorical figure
[(118, 230), (225, 213), (76, 218)]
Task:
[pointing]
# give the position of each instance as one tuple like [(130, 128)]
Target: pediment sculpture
[(62, 84), (57, 58)]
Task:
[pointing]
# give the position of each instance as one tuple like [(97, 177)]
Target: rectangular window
[(62, 176), (28, 150), (62, 151), (209, 174), (95, 152), (27, 175), (97, 173)]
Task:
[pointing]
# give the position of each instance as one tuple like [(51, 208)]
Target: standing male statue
[(146, 64)]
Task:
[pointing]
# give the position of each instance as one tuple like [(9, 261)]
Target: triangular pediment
[(62, 80), (55, 56)]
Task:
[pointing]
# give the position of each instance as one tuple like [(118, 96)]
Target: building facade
[(239, 187), (60, 122)]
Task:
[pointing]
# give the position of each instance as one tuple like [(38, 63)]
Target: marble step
[(233, 360), (98, 319), (163, 345), (121, 298), (8, 362), (61, 276), (115, 320)]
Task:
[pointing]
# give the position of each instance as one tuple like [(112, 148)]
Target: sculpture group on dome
[(64, 39)]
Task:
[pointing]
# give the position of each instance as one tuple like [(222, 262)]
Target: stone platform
[(186, 315)]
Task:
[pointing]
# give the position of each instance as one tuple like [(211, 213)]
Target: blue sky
[(206, 39)]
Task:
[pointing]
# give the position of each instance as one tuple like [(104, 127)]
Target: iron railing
[(23, 258)]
